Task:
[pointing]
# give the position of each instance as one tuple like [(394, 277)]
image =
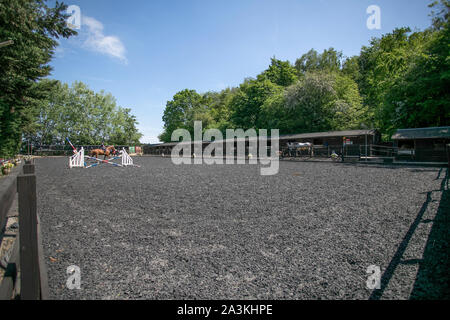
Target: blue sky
[(144, 51)]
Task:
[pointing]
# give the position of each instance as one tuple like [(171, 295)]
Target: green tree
[(275, 115), (123, 128), (181, 112), (311, 101), (329, 60), (385, 62), (49, 113), (350, 112), (321, 102), (83, 116), (279, 72), (308, 62), (421, 98), (219, 104), (33, 26), (350, 68), (248, 100), (440, 18)]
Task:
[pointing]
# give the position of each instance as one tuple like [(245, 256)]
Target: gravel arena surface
[(165, 231)]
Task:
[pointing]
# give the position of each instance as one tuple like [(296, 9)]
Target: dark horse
[(110, 150)]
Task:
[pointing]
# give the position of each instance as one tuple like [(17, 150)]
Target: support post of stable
[(366, 148), (448, 155), (29, 258)]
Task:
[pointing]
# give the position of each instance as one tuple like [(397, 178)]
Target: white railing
[(126, 159), (77, 160)]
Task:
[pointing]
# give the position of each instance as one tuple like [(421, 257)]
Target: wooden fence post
[(28, 168), (448, 155), (29, 258)]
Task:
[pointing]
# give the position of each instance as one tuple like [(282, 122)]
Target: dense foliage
[(33, 26), (28, 104), (400, 80), (83, 116)]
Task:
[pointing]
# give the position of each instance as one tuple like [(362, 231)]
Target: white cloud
[(97, 41), (149, 139), (59, 51), (150, 134)]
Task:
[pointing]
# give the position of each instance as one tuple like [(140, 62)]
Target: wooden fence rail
[(25, 277)]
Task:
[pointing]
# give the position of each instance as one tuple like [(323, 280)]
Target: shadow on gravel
[(432, 281)]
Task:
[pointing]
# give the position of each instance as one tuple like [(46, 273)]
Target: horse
[(295, 148), (110, 150)]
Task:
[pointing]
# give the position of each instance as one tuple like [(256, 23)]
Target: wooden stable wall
[(424, 150), (431, 150), (333, 141)]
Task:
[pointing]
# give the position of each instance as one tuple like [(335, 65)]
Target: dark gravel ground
[(163, 231)]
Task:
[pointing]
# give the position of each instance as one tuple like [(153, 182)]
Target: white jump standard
[(78, 160)]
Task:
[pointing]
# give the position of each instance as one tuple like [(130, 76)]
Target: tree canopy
[(83, 116), (33, 26), (33, 107), (399, 80)]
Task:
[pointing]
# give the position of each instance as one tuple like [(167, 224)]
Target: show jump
[(80, 160)]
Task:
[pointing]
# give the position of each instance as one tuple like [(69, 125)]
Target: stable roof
[(422, 133), (345, 133)]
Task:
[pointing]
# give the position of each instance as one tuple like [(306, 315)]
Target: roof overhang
[(422, 133)]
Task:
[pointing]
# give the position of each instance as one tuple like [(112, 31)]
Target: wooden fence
[(25, 276)]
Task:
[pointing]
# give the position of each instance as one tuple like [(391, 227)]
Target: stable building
[(159, 148), (328, 141), (422, 144), (335, 139)]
